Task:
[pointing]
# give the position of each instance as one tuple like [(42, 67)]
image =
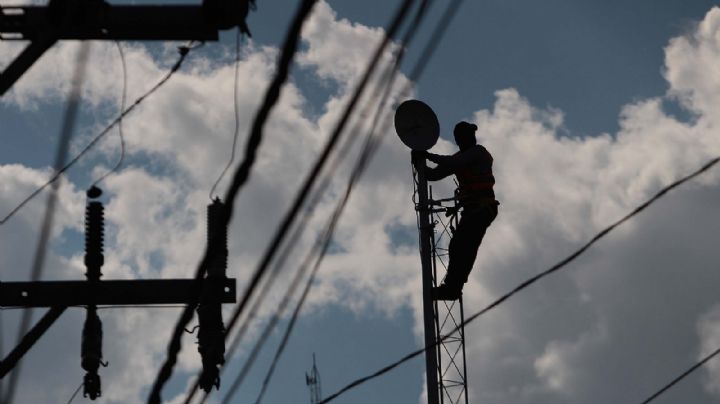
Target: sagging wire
[(236, 107), (527, 283), (123, 100)]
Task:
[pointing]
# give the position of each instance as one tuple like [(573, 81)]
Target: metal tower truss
[(449, 315)]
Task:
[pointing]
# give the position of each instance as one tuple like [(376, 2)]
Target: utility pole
[(425, 228)]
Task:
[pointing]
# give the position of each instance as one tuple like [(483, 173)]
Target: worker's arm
[(432, 174), (437, 173), (457, 160)]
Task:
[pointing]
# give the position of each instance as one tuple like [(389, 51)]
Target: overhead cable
[(682, 376), (240, 177), (526, 283), (66, 131)]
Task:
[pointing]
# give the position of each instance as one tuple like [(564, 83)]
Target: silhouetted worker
[(472, 166)]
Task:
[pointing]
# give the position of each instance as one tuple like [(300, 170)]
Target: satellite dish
[(417, 125)]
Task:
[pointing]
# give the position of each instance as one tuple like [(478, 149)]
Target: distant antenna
[(312, 380)]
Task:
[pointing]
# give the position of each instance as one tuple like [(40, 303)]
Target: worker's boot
[(447, 291)]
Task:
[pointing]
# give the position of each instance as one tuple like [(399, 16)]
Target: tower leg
[(426, 254)]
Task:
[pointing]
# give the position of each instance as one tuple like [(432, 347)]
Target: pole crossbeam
[(116, 292), (102, 21)]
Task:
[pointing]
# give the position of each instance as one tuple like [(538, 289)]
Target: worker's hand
[(419, 155)]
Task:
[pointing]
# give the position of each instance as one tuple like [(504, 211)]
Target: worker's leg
[(465, 243)]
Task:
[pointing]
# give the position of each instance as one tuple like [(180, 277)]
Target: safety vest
[(475, 182)]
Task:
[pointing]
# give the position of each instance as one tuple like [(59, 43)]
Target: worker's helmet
[(465, 134)]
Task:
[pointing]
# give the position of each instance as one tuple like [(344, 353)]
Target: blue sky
[(588, 108)]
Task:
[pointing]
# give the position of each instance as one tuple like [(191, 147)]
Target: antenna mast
[(312, 380)]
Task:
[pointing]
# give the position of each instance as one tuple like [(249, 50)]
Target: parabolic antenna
[(417, 125)]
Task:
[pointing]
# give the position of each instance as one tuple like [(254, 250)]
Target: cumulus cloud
[(610, 329)]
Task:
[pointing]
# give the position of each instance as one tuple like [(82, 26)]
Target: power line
[(66, 132), (184, 50), (236, 109), (120, 125), (682, 376), (239, 179), (77, 390), (528, 282)]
